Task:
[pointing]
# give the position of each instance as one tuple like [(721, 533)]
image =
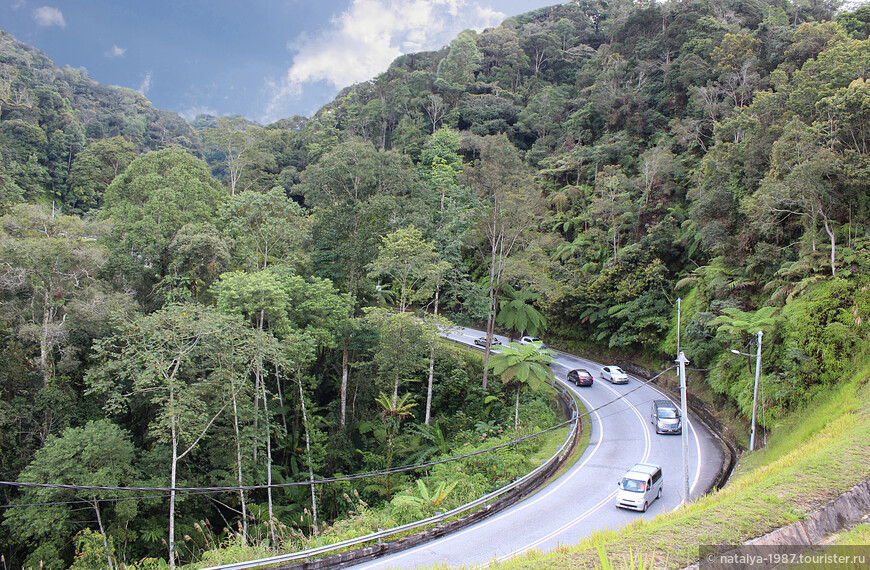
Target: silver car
[(665, 416), (614, 375), (532, 340)]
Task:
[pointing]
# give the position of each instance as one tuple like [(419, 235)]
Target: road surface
[(583, 499)]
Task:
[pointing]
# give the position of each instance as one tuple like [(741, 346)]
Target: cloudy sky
[(264, 59)]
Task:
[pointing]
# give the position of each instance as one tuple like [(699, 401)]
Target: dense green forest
[(215, 303)]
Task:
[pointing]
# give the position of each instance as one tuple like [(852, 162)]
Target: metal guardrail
[(437, 519)]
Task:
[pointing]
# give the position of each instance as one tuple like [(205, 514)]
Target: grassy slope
[(816, 455)]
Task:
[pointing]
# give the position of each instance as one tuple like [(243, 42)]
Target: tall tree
[(804, 182), (613, 205), (411, 263), (94, 169), (520, 365), (97, 454), (52, 259), (458, 69), (357, 194), (177, 360), (156, 196), (403, 342), (511, 204), (266, 228), (239, 144)]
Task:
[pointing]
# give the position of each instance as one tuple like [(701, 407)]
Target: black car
[(481, 341), (580, 377)]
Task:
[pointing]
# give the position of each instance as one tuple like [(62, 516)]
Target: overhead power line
[(208, 490)]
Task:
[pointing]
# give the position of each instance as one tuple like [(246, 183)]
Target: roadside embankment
[(812, 458)]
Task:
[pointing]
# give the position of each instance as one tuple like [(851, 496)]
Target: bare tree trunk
[(833, 245), (490, 322), (239, 470), (614, 239), (45, 341), (431, 369), (172, 478), (431, 381), (281, 401), (96, 505), (269, 464), (342, 421), (308, 451)]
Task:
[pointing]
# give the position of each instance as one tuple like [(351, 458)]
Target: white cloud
[(48, 16), (116, 51), (146, 84), (368, 36), (191, 113), (492, 17)]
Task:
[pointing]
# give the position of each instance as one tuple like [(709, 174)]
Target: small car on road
[(665, 416), (614, 375), (481, 341), (580, 377), (532, 339)]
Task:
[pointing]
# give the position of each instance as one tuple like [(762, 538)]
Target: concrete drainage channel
[(492, 503), (845, 511)]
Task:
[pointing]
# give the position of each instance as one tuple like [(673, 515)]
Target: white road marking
[(589, 512), (521, 506), (563, 480)]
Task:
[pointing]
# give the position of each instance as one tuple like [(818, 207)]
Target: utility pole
[(679, 317), (682, 361), (755, 391)]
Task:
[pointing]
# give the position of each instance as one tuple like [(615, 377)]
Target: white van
[(640, 486)]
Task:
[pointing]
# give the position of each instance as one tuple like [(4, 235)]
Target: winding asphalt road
[(583, 499)]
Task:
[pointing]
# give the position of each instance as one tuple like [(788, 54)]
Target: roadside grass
[(813, 456), (552, 441), (858, 536), (800, 426)]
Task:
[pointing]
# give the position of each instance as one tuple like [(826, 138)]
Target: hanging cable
[(208, 490)]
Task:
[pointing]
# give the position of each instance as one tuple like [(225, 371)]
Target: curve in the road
[(444, 549)]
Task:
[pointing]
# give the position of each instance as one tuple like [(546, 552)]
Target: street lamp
[(755, 391)]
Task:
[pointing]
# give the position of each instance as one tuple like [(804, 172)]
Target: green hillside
[(213, 303)]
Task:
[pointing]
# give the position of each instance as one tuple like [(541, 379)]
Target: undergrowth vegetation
[(225, 305)]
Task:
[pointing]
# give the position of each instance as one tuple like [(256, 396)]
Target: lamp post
[(755, 390), (681, 362)]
